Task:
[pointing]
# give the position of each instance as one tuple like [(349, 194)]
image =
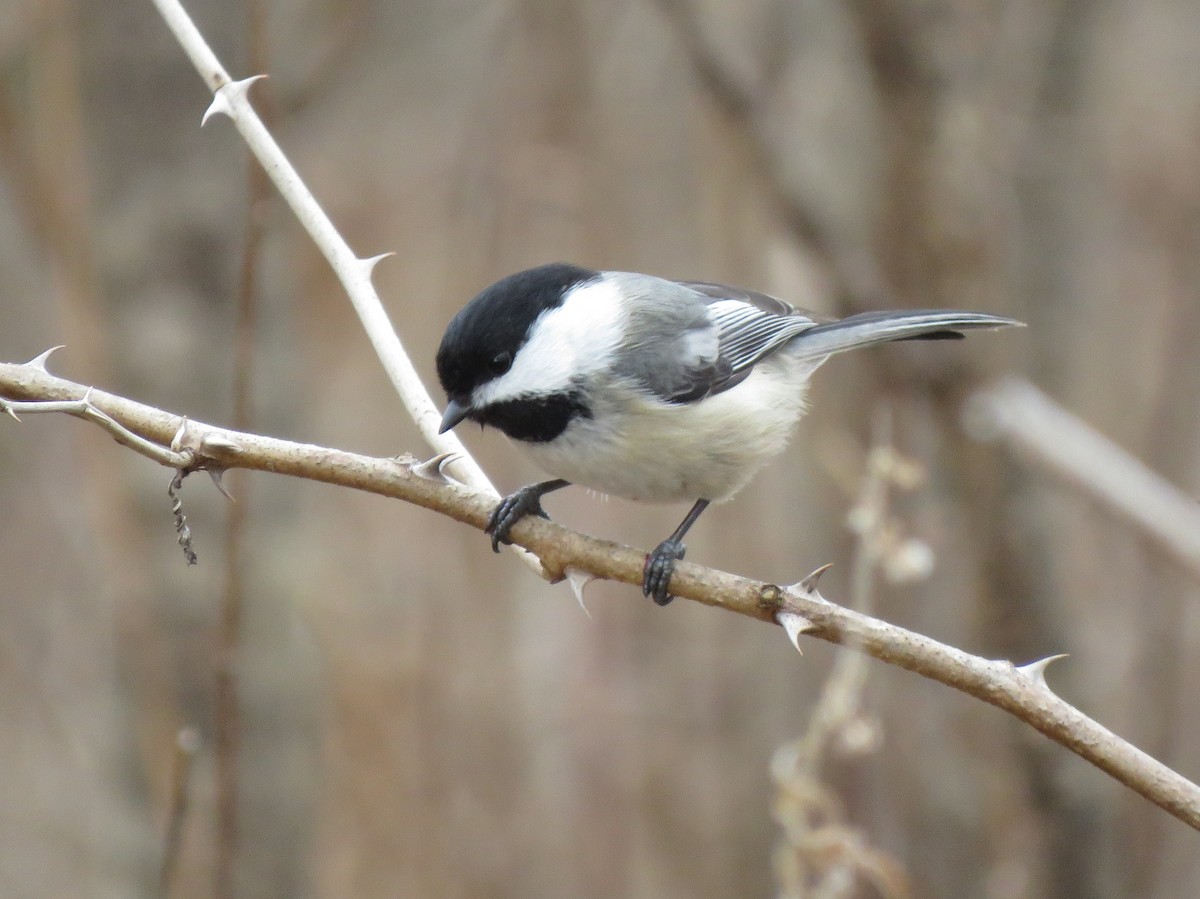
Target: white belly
[(656, 452)]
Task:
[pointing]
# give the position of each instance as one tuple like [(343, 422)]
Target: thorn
[(1036, 670), (795, 625), (39, 362), (435, 469), (218, 475), (222, 102), (7, 408), (180, 434), (211, 440), (578, 580), (372, 261), (808, 585), (810, 582), (218, 106), (449, 460)]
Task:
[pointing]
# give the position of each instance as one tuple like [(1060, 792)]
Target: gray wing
[(750, 325), (764, 302), (691, 339), (717, 334)]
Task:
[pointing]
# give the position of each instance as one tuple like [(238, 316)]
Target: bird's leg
[(515, 506), (660, 564)]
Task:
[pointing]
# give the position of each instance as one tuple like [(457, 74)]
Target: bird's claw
[(660, 565), (510, 510)]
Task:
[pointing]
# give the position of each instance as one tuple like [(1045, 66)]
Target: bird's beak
[(455, 413)]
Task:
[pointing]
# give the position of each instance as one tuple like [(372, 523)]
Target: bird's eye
[(500, 363)]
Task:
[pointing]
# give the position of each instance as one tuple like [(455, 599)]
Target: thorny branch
[(1020, 690)]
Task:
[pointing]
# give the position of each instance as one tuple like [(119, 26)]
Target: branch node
[(39, 361), (199, 446), (770, 598)]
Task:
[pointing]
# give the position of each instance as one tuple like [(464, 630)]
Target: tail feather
[(870, 328)]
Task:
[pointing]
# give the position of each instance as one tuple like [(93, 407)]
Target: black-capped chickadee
[(645, 388)]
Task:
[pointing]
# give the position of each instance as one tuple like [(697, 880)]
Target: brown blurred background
[(418, 717)]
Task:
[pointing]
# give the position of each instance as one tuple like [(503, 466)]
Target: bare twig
[(1042, 432), (181, 525), (1021, 691)]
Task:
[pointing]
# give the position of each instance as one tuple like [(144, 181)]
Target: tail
[(881, 327)]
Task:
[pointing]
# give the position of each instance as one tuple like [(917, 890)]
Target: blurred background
[(349, 696)]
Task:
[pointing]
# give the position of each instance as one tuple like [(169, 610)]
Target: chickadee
[(644, 388)]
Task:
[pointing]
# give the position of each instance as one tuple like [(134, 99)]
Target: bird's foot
[(510, 510), (660, 565)]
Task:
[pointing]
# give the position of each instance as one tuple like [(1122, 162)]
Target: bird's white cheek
[(565, 346), (537, 370)]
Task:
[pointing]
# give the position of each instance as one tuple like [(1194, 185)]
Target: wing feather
[(723, 332), (748, 333), (736, 327)]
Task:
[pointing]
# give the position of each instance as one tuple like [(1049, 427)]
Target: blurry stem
[(1020, 691), (842, 691), (187, 744), (226, 701), (52, 182), (1044, 434)]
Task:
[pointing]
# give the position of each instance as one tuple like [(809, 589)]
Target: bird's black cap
[(497, 322)]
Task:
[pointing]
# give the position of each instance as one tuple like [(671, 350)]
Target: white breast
[(655, 452)]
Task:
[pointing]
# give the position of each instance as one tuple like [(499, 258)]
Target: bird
[(646, 388)]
